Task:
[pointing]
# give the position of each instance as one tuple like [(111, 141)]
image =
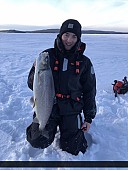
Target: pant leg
[(72, 138), (36, 138)]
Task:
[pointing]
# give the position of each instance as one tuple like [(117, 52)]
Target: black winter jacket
[(77, 80)]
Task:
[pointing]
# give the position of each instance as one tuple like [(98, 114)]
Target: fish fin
[(34, 103), (35, 120), (32, 100)]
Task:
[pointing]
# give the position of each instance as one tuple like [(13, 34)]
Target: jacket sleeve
[(88, 81), (31, 77)]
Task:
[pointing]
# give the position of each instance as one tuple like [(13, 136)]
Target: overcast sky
[(101, 14)]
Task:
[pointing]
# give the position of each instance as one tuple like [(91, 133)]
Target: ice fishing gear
[(120, 87)]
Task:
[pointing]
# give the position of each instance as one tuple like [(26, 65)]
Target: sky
[(109, 129), (99, 14)]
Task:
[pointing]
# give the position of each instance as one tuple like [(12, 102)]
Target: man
[(75, 88)]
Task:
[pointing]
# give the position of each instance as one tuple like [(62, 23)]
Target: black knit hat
[(71, 25)]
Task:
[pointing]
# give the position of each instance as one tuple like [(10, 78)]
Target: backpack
[(118, 86)]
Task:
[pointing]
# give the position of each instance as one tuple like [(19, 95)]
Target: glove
[(85, 127)]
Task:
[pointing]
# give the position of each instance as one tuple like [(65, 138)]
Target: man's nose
[(69, 39)]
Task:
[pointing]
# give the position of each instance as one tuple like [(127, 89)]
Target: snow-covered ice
[(109, 130)]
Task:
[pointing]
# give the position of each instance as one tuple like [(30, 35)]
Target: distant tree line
[(57, 31)]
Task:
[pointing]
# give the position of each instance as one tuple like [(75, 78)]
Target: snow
[(109, 129)]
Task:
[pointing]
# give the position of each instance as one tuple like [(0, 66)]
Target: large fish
[(43, 89)]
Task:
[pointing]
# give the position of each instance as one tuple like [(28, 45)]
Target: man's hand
[(85, 127)]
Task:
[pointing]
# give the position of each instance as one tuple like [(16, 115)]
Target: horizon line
[(36, 27)]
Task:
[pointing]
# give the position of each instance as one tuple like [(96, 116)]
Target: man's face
[(69, 39)]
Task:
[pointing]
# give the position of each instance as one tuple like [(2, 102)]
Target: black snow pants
[(72, 138)]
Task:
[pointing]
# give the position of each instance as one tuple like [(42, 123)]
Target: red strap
[(59, 95), (56, 67), (57, 62), (68, 96), (62, 96), (77, 63), (78, 99), (77, 71), (77, 67), (79, 49)]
